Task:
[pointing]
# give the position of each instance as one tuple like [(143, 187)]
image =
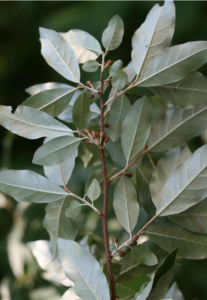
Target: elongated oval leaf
[(170, 237), (59, 54), (190, 92), (116, 152), (117, 113), (53, 102), (81, 112), (56, 151), (172, 128), (82, 268), (37, 88), (119, 81), (166, 165), (58, 225), (143, 255), (28, 186), (136, 128), (174, 64), (84, 45), (154, 35), (125, 204), (90, 66), (113, 34), (31, 123), (94, 190), (129, 70), (185, 186)]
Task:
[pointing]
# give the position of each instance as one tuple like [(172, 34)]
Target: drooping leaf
[(145, 291), (119, 81), (37, 88), (154, 35), (82, 268), (186, 186), (136, 128), (84, 45), (28, 186), (59, 54), (170, 237), (56, 151), (190, 92), (53, 102), (174, 64), (113, 34), (117, 65), (129, 70), (166, 165), (117, 113), (73, 210), (90, 66), (70, 294), (94, 190), (58, 225), (125, 204), (116, 152), (194, 218), (31, 123), (81, 112), (172, 128)]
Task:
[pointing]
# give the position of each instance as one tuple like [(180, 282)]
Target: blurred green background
[(21, 66)]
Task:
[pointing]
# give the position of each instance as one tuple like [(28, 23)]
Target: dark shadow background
[(21, 66)]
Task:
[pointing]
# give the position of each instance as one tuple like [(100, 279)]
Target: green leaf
[(37, 88), (125, 204), (82, 268), (166, 165), (119, 108), (129, 70), (58, 225), (127, 289), (113, 34), (143, 255), (117, 65), (59, 54), (53, 102), (84, 45), (145, 291), (70, 294), (172, 128), (116, 152), (154, 36), (136, 128), (73, 210), (56, 151), (190, 92), (194, 218), (81, 112), (170, 237), (28, 186), (174, 64), (94, 190), (186, 186), (119, 81), (90, 66), (31, 123)]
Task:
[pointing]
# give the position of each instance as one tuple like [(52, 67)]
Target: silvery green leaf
[(28, 186), (119, 108), (190, 92), (172, 128), (170, 237), (56, 151), (53, 102), (174, 64), (81, 112), (37, 88), (94, 190), (154, 35), (52, 267), (174, 293), (58, 225), (90, 66), (82, 268), (185, 186), (113, 34), (143, 255), (119, 81), (31, 123), (125, 204), (129, 70), (116, 152), (59, 54), (84, 45), (70, 295), (194, 218), (166, 165), (117, 65), (136, 128), (145, 291), (73, 210)]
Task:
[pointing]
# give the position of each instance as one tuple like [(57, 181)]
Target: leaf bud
[(95, 134), (91, 96), (109, 62), (115, 240), (86, 130), (102, 134), (88, 143), (80, 85), (89, 83), (122, 253), (106, 125), (129, 174), (109, 86), (106, 139)]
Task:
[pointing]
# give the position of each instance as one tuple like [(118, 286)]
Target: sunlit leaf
[(113, 34), (37, 88), (70, 295), (90, 66)]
